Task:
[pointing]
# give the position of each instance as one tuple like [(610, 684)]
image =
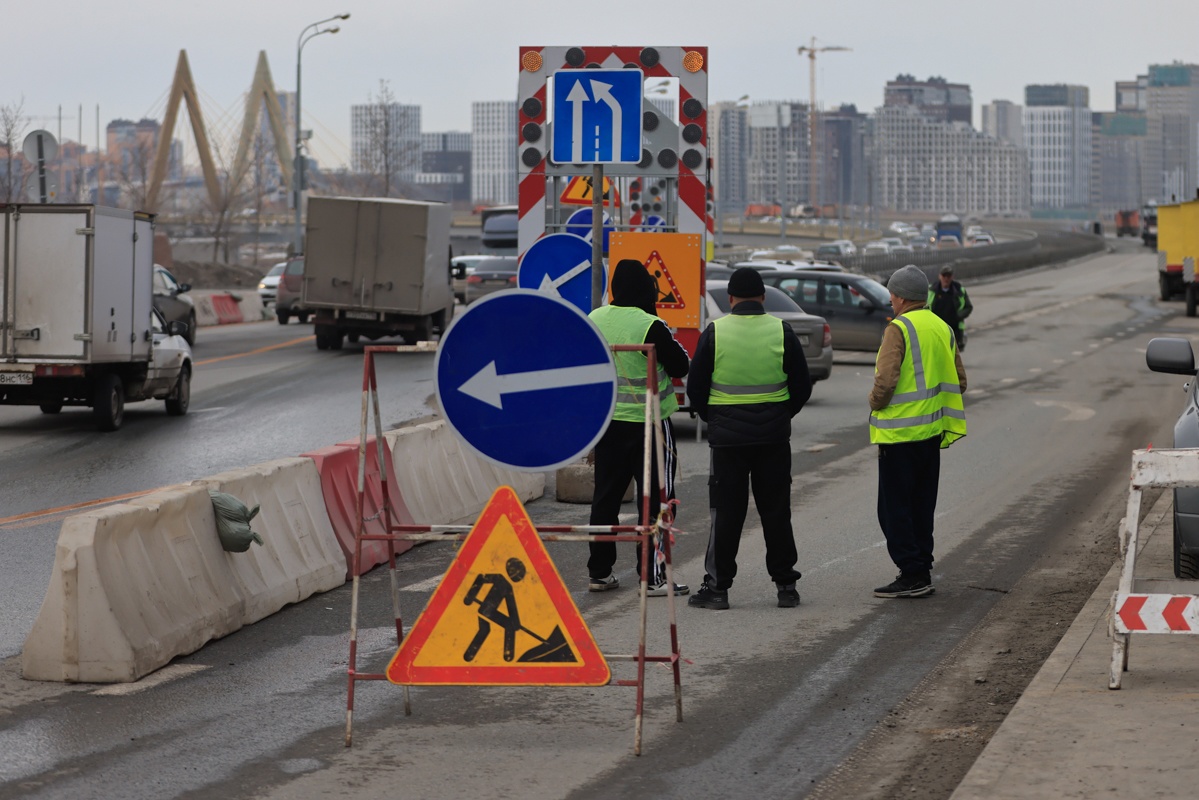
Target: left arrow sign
[(489, 387)]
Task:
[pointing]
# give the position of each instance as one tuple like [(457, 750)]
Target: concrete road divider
[(225, 307), (338, 468), (444, 483), (300, 555)]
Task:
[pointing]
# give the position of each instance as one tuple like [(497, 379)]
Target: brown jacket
[(886, 369)]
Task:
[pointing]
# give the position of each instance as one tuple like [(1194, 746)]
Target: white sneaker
[(603, 584), (659, 589)]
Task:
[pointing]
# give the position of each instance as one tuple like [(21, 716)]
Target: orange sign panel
[(501, 616), (578, 192), (674, 260)]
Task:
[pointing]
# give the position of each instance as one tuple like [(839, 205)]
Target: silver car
[(1175, 356), (492, 274), (814, 334)]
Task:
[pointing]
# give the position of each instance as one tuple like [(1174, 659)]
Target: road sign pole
[(41, 168), (597, 236)]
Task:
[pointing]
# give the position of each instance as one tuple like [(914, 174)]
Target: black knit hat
[(746, 282), (632, 285)]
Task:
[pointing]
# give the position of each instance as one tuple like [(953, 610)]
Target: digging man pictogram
[(499, 592)]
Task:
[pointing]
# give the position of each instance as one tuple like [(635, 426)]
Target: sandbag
[(233, 522)]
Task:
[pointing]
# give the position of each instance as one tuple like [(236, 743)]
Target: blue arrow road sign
[(597, 116), (560, 265), (579, 224), (526, 380)]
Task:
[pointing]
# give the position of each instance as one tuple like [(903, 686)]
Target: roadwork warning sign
[(501, 616)]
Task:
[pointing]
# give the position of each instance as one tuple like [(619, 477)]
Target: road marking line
[(266, 349), (425, 585), (165, 675), (816, 448), (49, 512)]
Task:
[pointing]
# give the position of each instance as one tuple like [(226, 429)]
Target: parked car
[(266, 286), (491, 275), (815, 336), (172, 301), (461, 268), (1175, 356), (857, 308), (287, 293)]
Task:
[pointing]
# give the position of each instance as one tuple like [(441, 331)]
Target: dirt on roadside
[(205, 275), (926, 745)]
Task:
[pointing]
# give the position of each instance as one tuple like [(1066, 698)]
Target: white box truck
[(77, 319), (376, 267)]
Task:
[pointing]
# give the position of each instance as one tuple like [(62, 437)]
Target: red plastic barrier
[(226, 308), (338, 467)]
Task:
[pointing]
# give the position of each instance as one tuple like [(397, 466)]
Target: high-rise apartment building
[(728, 127), (385, 140), (1172, 114), (1120, 142), (935, 98), (924, 165), (842, 149), (445, 165), (777, 162), (493, 151), (1003, 120), (1057, 134)]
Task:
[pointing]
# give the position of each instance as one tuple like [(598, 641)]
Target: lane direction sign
[(597, 116), (579, 224), (526, 380), (560, 265)]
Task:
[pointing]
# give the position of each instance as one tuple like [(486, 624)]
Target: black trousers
[(767, 468), (619, 457), (908, 474)]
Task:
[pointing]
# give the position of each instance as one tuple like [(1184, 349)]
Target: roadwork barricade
[(564, 652), (1150, 605)]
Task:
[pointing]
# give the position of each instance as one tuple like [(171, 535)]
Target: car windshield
[(295, 267), (277, 270), (875, 291)]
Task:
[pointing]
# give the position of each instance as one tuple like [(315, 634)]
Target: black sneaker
[(788, 596), (907, 585), (707, 597)]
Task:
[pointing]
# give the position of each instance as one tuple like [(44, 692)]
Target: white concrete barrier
[(442, 482), (247, 300), (250, 304)]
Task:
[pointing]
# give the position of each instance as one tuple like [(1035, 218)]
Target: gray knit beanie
[(909, 282)]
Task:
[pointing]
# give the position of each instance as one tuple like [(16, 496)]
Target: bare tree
[(16, 170), (133, 173), (391, 152)]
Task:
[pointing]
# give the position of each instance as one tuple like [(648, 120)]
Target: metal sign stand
[(659, 532)]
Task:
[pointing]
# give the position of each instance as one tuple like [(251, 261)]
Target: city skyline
[(452, 66)]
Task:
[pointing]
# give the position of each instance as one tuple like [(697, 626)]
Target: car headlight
[(262, 285)]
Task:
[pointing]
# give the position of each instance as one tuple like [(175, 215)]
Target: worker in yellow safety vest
[(916, 411), (631, 318)]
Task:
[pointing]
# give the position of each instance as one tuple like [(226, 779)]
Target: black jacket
[(750, 423)]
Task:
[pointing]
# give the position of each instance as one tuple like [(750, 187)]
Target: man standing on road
[(916, 411), (949, 301), (620, 452), (748, 379)]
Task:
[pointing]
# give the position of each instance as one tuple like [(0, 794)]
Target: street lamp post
[(298, 173)]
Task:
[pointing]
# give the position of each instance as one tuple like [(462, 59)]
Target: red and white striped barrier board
[(1157, 613)]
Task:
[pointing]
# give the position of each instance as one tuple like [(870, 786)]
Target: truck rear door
[(46, 283)]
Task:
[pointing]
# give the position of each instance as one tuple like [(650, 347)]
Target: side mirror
[(1170, 355), (184, 287), (176, 328)]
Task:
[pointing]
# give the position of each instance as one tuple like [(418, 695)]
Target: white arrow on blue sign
[(560, 265), (579, 224), (597, 116), (526, 380)]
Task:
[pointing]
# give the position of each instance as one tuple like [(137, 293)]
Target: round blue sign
[(653, 223), (526, 380), (579, 223), (560, 265)]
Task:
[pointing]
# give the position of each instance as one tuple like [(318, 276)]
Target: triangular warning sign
[(668, 292), (501, 616), (578, 192)]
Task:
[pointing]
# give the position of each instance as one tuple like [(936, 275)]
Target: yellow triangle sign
[(578, 192), (501, 616)]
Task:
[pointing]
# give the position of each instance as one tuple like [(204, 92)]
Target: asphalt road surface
[(774, 699)]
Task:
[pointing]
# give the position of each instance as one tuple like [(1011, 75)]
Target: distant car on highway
[(172, 301), (836, 250), (981, 239), (266, 286), (815, 336), (876, 249), (1175, 356), (492, 274), (461, 268), (287, 293), (948, 242)]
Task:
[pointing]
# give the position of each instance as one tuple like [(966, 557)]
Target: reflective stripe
[(911, 422), (762, 388), (926, 394), (914, 344)]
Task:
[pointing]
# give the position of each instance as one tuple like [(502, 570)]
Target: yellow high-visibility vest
[(748, 361), (628, 325)]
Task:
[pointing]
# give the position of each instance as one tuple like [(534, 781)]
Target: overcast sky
[(443, 54)]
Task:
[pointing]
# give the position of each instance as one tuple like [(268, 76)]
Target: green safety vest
[(628, 325), (749, 361), (928, 398)]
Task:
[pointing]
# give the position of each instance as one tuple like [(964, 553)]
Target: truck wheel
[(322, 338), (52, 407), (335, 339), (1163, 286), (422, 333), (180, 399), (1192, 296), (190, 336), (282, 316), (108, 405), (302, 316), (352, 338)]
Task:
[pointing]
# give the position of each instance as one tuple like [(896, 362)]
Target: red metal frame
[(644, 533)]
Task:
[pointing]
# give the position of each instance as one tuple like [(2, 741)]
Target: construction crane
[(810, 51)]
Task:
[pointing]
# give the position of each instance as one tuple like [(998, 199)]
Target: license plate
[(16, 378), (369, 315), (803, 340)]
